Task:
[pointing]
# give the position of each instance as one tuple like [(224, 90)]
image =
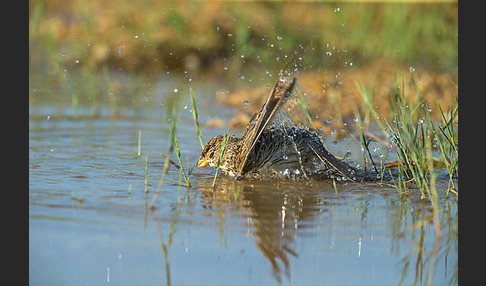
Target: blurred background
[(204, 37), (241, 47)]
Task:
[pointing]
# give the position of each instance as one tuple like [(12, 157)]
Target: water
[(89, 220)]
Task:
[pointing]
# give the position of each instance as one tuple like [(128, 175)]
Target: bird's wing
[(333, 162), (262, 118)]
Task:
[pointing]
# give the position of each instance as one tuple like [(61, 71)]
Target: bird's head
[(210, 153)]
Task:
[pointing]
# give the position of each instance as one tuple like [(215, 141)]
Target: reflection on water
[(281, 215), (89, 221)]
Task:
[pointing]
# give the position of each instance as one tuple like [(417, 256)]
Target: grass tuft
[(418, 138), (423, 146), (176, 108)]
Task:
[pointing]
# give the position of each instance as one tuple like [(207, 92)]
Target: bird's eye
[(211, 155)]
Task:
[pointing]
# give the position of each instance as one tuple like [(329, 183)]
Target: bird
[(273, 147)]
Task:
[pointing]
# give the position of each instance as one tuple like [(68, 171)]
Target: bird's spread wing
[(262, 118), (333, 162)]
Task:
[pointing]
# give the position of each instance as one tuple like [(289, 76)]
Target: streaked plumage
[(268, 150)]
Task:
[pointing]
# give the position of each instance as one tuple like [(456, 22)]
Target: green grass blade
[(194, 114), (220, 157), (146, 174)]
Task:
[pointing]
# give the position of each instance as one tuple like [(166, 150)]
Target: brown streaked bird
[(271, 148)]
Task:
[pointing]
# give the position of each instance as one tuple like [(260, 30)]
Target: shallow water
[(89, 220)]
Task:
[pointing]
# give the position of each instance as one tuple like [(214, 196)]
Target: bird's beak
[(201, 163)]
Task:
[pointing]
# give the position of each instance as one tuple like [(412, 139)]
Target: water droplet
[(285, 157), (279, 38), (412, 69), (337, 9), (329, 53), (135, 37), (176, 90), (356, 120), (230, 35)]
